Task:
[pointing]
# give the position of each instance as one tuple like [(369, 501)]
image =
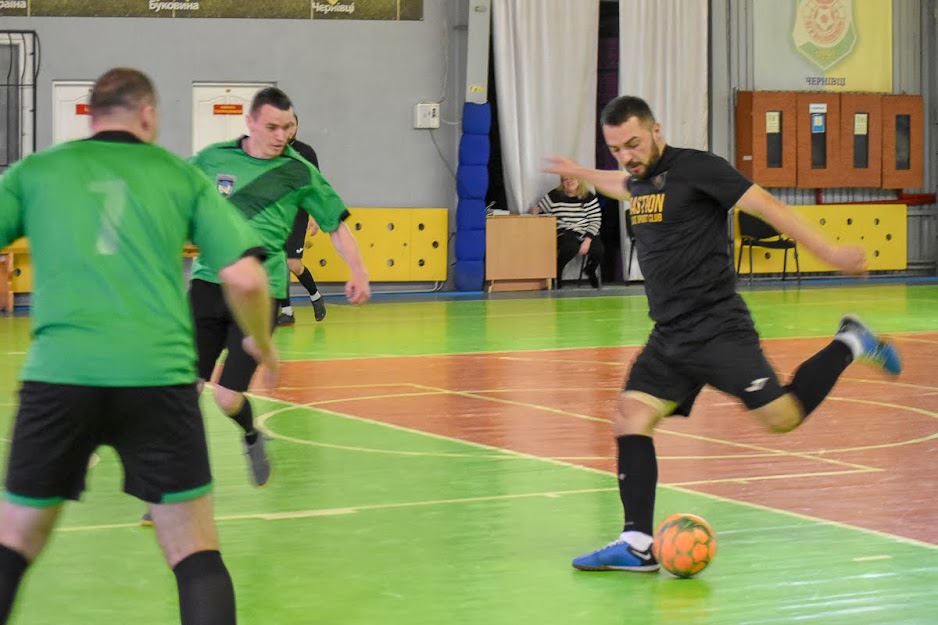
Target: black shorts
[(156, 430), (215, 331), (297, 240), (723, 352)]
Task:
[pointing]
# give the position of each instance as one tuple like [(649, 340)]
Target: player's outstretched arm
[(357, 289), (246, 290), (762, 204), (610, 183)]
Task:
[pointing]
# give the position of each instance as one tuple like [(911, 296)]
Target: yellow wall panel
[(879, 228), (393, 242)]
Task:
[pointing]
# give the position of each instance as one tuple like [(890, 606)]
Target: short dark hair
[(621, 109), (121, 88), (272, 96)]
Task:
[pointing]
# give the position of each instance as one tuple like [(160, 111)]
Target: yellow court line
[(342, 386), (889, 382), (261, 424), (320, 512), (760, 478), (564, 360), (325, 402), (910, 333), (816, 455), (605, 473), (778, 452), (798, 515)]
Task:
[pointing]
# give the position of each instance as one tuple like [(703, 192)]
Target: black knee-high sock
[(206, 595), (284, 302), (12, 567), (306, 279), (638, 478), (245, 418), (817, 375)]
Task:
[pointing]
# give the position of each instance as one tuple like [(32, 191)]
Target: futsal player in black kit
[(295, 244), (703, 332)]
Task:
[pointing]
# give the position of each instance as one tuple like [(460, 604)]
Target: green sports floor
[(442, 459)]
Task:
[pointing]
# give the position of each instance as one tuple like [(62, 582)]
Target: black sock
[(638, 478), (284, 302), (245, 418), (817, 375), (306, 279), (206, 595), (12, 567)]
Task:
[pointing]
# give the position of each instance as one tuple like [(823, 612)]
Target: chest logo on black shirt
[(225, 184), (659, 180), (646, 209)]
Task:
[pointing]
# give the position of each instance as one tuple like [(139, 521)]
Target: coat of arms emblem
[(824, 31)]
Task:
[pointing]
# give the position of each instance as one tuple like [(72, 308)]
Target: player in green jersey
[(112, 355), (268, 182)]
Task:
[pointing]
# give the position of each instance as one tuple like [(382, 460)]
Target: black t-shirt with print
[(678, 214)]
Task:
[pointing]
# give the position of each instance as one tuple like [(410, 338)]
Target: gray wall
[(354, 84)]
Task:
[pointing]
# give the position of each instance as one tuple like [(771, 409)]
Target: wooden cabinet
[(520, 252)]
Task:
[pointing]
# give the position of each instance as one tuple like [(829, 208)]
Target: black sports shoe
[(319, 308), (285, 320), (258, 464)]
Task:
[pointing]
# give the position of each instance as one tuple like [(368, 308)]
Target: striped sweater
[(582, 216)]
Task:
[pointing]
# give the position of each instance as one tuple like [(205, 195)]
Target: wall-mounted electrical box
[(427, 115)]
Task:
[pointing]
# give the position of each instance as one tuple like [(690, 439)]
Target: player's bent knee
[(639, 413), (228, 400), (780, 415)]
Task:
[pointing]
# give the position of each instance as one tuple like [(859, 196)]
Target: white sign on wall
[(71, 118), (218, 111)]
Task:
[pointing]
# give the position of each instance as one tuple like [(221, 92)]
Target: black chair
[(631, 235), (753, 232)]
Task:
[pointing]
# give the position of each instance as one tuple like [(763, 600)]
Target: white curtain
[(663, 60), (545, 76)]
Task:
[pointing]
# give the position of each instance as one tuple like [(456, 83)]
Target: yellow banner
[(823, 45)]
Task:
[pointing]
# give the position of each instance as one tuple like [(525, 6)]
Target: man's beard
[(652, 159)]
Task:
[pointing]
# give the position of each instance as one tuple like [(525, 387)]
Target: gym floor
[(442, 458)]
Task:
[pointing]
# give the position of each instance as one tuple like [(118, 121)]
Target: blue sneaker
[(874, 351), (618, 555)]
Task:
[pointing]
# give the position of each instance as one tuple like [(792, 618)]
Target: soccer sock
[(816, 376), (284, 303), (206, 595), (12, 567), (306, 279), (638, 478), (286, 310), (245, 418)]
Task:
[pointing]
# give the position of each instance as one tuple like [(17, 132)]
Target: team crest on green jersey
[(225, 184)]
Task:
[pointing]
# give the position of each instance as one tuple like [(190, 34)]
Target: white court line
[(755, 506)]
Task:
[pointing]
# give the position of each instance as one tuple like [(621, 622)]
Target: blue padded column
[(472, 183)]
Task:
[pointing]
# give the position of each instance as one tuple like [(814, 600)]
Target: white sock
[(639, 540), (313, 298), (852, 341), (287, 310)]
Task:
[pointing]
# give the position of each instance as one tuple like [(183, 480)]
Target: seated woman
[(578, 219)]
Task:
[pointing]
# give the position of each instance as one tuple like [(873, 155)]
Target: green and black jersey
[(268, 192), (106, 219)]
